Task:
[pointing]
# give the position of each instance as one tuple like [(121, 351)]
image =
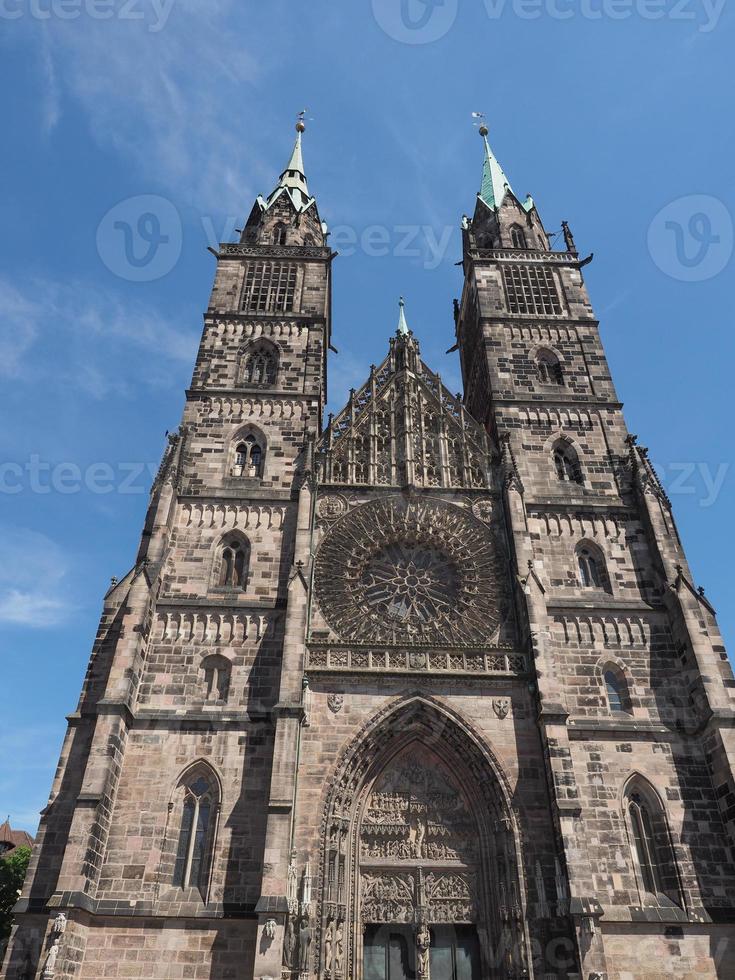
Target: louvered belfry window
[(531, 289), (270, 287)]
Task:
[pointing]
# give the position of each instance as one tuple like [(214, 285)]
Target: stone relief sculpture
[(339, 950), (289, 943), (304, 944), (60, 924), (423, 942), (426, 840)]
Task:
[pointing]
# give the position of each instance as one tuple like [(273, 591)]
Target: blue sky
[(614, 114)]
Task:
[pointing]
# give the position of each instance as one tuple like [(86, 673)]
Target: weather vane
[(301, 120), (482, 123)]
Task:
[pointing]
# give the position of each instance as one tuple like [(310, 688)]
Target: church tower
[(152, 846), (422, 692), (634, 689)]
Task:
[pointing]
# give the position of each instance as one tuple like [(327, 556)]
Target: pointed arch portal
[(420, 863)]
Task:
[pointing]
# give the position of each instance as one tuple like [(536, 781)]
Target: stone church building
[(423, 690)]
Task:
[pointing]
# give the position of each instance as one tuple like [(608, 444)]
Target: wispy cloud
[(180, 120), (19, 315), (45, 322), (51, 100), (33, 571)]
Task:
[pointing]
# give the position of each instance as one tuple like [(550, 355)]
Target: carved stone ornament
[(402, 570), (331, 507), (501, 707), (335, 702), (270, 929), (483, 510), (415, 833)]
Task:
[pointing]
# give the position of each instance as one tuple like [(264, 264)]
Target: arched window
[(616, 689), (193, 852), (517, 236), (233, 559), (279, 234), (653, 856), (591, 566), (548, 368), (249, 457), (566, 463), (217, 670), (261, 365)]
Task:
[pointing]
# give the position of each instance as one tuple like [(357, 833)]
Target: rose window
[(409, 583), (409, 570)]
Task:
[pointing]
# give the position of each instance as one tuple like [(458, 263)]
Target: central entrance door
[(418, 874), (389, 953)]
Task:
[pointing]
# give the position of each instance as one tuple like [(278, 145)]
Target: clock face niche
[(400, 570)]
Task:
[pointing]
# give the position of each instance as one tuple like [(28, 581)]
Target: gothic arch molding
[(546, 348), (470, 845), (561, 435)]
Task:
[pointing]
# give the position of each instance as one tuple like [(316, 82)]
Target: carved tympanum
[(415, 814), (409, 570)]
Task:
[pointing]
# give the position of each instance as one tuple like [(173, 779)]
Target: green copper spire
[(293, 179), (495, 184), (403, 330)]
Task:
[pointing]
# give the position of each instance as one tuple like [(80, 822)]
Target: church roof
[(292, 182), (10, 839), (495, 184)]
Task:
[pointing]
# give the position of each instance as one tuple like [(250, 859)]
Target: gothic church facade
[(426, 691)]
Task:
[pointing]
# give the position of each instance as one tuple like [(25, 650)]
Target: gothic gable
[(404, 428)]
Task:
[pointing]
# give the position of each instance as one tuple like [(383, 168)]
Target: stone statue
[(289, 944), (304, 943), (328, 939), (423, 942), (60, 924), (339, 950), (49, 966)]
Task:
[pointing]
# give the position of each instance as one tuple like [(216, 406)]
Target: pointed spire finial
[(495, 184), (300, 124), (403, 330)]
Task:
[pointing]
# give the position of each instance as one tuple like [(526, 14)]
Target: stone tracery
[(409, 570), (404, 428)]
